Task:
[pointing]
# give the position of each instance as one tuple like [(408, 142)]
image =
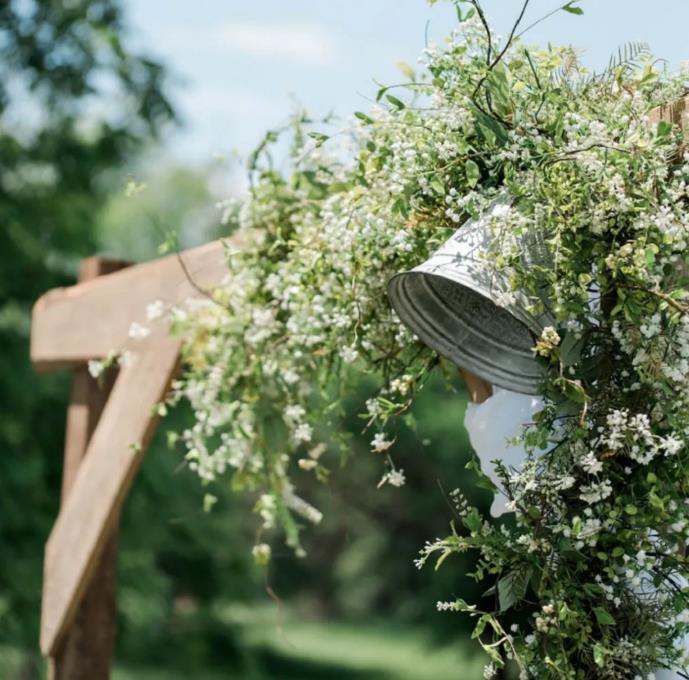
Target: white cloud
[(303, 42)]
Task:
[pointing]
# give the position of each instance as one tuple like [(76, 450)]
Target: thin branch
[(543, 18), (682, 309), (482, 17), (501, 54)]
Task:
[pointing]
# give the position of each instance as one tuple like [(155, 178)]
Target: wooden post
[(108, 432), (86, 651)]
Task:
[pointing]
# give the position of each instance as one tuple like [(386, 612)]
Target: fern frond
[(629, 57)]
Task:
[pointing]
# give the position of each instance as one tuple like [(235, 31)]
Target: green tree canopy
[(75, 103)]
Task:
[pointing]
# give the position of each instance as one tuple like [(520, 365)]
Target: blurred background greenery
[(79, 113)]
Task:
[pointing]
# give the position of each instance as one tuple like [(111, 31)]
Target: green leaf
[(319, 137), (398, 104), (364, 118), (480, 627), (631, 509), (570, 349), (484, 482), (490, 129), (603, 617), (463, 606), (437, 186), (599, 654), (574, 391), (512, 587), (592, 589), (572, 8), (663, 129), (472, 520), (498, 87), (473, 173), (406, 70), (656, 501)]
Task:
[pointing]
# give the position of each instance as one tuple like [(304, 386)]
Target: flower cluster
[(594, 553)]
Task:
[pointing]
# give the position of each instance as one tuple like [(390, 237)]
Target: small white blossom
[(380, 443), (394, 477), (303, 433), (138, 332), (155, 310)]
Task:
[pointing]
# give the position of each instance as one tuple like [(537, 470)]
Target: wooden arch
[(109, 428)]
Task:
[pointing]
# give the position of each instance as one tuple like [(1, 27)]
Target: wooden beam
[(87, 321), (87, 649), (676, 113), (92, 508)]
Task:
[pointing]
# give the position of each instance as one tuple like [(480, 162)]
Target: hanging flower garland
[(591, 572)]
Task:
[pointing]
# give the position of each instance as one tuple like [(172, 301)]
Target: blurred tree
[(75, 103), (175, 200)]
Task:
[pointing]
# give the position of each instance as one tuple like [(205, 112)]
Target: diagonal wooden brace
[(101, 483)]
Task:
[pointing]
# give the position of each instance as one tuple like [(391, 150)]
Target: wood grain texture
[(87, 321), (87, 648), (92, 507), (676, 113)]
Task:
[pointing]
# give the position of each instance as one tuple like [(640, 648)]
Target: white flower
[(349, 354), (96, 368), (379, 443), (394, 477), (125, 359), (592, 493), (548, 341), (672, 445), (591, 464), (294, 413), (303, 433), (138, 332), (489, 671), (261, 553), (566, 482), (155, 310), (373, 408), (290, 376), (505, 298)]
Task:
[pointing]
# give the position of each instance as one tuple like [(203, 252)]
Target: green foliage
[(75, 104), (539, 151)]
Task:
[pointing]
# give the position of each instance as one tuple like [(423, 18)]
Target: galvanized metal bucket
[(467, 312)]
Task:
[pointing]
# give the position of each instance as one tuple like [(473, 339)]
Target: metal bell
[(467, 311)]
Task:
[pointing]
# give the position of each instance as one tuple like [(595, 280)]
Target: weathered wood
[(676, 113), (87, 399), (478, 388), (112, 458), (87, 321), (87, 648)]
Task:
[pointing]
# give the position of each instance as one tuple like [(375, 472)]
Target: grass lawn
[(300, 649)]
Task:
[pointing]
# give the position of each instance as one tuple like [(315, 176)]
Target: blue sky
[(239, 64)]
